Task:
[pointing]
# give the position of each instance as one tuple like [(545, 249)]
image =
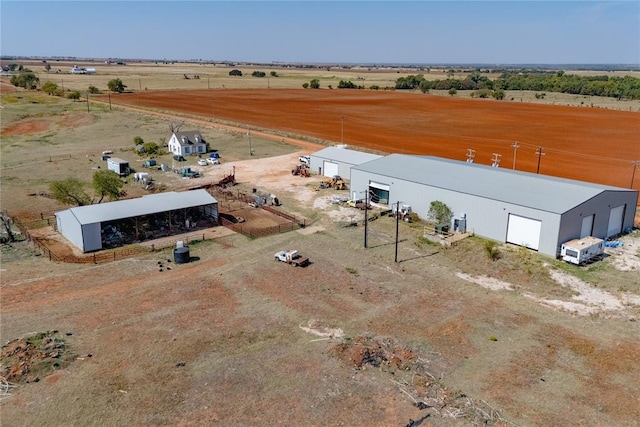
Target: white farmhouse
[(188, 142)]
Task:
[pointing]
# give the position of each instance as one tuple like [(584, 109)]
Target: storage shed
[(95, 227), (338, 160), (536, 211)]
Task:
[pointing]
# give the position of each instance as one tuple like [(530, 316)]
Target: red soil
[(583, 143), (26, 127)]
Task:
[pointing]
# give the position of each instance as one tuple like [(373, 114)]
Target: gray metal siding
[(92, 237), (485, 217), (600, 207), (70, 228)]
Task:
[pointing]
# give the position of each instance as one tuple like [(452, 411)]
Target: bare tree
[(175, 125)]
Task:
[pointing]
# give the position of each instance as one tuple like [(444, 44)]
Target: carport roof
[(345, 155), (145, 205), (547, 193)]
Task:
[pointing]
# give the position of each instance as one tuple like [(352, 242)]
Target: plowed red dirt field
[(583, 143)]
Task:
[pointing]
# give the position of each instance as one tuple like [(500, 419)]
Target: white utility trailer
[(119, 166), (580, 251)]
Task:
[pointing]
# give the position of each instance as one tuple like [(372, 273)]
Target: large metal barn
[(536, 211)]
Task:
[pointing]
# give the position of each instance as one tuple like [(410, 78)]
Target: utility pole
[(470, 155), (515, 146), (633, 174), (366, 218), (250, 149), (109, 101), (495, 162), (397, 227), (539, 153), (342, 130), (87, 102)]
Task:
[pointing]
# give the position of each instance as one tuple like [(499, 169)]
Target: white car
[(213, 161), (202, 162), (305, 159)]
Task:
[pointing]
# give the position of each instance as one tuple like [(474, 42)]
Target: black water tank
[(181, 255)]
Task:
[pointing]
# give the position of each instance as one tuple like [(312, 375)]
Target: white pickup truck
[(292, 257)]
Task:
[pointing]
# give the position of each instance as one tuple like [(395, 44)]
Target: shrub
[(492, 250), (74, 95), (235, 73)]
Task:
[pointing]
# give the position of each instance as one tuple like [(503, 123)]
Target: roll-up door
[(330, 169), (587, 226), (379, 193), (524, 231), (616, 217)]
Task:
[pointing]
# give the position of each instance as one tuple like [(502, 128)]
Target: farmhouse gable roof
[(189, 138)]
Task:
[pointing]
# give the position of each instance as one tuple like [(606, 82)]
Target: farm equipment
[(301, 170), (187, 172), (359, 204), (404, 213), (336, 183), (292, 257), (149, 163)]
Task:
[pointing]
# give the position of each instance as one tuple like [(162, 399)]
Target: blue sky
[(431, 32)]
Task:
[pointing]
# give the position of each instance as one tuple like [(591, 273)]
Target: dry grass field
[(355, 339)]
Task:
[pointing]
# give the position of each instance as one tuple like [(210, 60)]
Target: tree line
[(626, 87)]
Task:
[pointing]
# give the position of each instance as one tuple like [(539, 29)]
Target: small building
[(105, 225), (338, 160), (535, 211), (188, 142)]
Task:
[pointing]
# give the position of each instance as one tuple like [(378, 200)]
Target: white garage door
[(587, 226), (616, 216), (524, 231), (330, 169)]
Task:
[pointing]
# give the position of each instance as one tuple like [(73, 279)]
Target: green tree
[(70, 192), (452, 91), (235, 73), (274, 74), (439, 212), (498, 94), (137, 140), (93, 90), (116, 85), (151, 148), (314, 84), (258, 73), (74, 95), (305, 85), (26, 79), (346, 84), (108, 184), (50, 88)]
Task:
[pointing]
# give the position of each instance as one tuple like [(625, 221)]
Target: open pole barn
[(535, 211), (106, 225)]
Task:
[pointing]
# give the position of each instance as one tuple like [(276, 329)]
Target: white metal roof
[(345, 155), (556, 195), (145, 205)]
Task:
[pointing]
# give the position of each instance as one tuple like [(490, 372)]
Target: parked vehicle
[(202, 162), (119, 166), (187, 172), (214, 156), (213, 161), (179, 158), (292, 257), (582, 251), (305, 159), (359, 204)]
